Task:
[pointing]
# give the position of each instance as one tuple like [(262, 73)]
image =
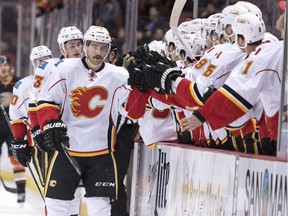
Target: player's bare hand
[(191, 122)]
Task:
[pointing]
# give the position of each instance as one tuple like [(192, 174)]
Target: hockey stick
[(174, 20), (9, 189), (65, 149), (28, 165)]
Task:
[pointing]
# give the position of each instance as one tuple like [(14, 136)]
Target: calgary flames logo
[(84, 102)]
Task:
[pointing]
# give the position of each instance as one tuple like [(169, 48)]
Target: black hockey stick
[(7, 188), (65, 149), (28, 165)]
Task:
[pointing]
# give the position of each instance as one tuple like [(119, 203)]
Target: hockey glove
[(21, 151), (137, 78), (155, 58), (160, 77), (141, 53), (37, 137), (55, 134)]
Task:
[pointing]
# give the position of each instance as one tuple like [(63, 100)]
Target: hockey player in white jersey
[(75, 113), (23, 148), (70, 41)]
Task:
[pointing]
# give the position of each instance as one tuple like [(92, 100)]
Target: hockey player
[(23, 148), (70, 41), (75, 113), (7, 81)]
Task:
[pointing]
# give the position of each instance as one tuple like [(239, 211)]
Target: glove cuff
[(165, 75)]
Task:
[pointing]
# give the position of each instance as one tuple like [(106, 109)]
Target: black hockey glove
[(141, 52), (208, 91), (37, 137), (155, 58), (136, 76), (21, 151), (55, 134), (160, 77)]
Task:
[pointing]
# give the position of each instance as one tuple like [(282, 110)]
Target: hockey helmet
[(251, 26), (67, 34), (250, 7)]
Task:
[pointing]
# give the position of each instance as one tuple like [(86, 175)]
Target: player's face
[(97, 52), (74, 48), (5, 71), (222, 39)]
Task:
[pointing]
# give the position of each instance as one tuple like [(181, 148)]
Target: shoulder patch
[(17, 84), (57, 63), (42, 65)]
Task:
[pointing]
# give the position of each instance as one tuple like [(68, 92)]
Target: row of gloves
[(53, 137)]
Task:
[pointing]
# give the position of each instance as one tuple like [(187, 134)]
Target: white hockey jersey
[(84, 97)]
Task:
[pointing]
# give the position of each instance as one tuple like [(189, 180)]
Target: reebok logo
[(105, 184)]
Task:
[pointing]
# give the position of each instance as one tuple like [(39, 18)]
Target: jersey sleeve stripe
[(238, 100), (196, 94)]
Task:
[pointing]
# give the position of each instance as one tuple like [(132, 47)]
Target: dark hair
[(4, 60), (256, 43)]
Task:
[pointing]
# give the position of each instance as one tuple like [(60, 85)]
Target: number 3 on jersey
[(38, 81)]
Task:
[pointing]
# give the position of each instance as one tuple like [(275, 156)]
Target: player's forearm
[(186, 95), (219, 111), (188, 91), (46, 112), (19, 129)]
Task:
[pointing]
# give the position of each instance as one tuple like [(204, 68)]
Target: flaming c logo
[(81, 101)]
